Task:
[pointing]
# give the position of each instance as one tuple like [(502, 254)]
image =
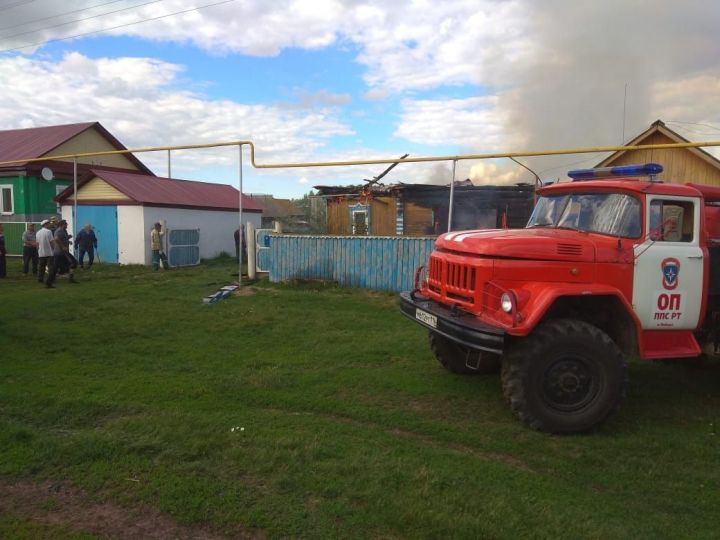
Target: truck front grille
[(456, 281), (461, 277)]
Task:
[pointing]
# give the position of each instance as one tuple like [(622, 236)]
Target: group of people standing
[(49, 250)]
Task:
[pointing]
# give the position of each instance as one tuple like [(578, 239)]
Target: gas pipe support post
[(452, 197), (75, 199), (240, 215)]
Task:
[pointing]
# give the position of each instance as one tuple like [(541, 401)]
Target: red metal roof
[(156, 191), (33, 143), (36, 142)]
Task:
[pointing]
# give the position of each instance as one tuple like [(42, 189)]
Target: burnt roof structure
[(470, 202), (432, 195)]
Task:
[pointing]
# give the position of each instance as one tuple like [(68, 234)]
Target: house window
[(360, 222), (6, 200), (360, 219), (59, 188)]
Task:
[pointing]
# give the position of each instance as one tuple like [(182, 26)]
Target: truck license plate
[(424, 316)]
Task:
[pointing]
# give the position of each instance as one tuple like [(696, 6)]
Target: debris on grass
[(223, 293)]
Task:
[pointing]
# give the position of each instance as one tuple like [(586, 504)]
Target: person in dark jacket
[(62, 258), (240, 235), (30, 249), (3, 268), (86, 242)]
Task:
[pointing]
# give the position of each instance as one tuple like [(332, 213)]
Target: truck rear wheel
[(566, 377), (463, 360)]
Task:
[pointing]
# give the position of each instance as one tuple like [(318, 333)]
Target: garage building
[(122, 207)]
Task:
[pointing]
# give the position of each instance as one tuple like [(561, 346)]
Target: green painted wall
[(13, 237), (33, 195)]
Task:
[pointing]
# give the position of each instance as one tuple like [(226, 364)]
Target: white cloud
[(405, 45), (376, 94), (319, 99), (422, 44), (136, 100), (471, 123), (255, 28)]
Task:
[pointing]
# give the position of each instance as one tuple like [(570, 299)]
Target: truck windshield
[(615, 214)]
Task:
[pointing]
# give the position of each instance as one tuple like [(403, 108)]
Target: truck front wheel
[(463, 360), (566, 377)]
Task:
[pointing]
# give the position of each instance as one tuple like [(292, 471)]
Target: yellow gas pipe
[(459, 157)]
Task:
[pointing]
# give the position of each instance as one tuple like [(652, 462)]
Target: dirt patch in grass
[(246, 291), (58, 503)]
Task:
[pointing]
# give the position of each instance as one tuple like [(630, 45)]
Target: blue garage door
[(104, 222)]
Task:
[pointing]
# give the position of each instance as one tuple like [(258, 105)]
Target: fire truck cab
[(611, 264)]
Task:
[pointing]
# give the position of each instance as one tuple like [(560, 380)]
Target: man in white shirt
[(44, 239)]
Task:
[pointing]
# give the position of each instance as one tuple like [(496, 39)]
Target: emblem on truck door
[(671, 270)]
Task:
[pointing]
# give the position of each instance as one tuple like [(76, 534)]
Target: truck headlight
[(506, 302)]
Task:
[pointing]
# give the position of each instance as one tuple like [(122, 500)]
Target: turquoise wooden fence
[(374, 262)]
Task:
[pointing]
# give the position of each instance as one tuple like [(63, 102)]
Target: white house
[(122, 207)]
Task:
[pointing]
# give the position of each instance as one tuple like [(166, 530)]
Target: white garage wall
[(135, 222), (66, 213), (131, 233), (216, 228)]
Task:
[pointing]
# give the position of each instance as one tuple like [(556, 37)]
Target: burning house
[(423, 209)]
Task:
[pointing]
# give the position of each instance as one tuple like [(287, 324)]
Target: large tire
[(566, 377), (463, 360)]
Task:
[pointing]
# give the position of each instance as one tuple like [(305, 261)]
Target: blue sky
[(351, 79)]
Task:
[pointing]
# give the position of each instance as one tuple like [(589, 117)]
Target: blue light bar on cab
[(647, 169)]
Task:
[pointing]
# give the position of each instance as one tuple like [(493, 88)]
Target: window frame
[(59, 188), (12, 199), (678, 201), (364, 209), (354, 223)]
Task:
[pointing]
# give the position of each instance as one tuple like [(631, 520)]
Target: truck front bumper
[(461, 327)]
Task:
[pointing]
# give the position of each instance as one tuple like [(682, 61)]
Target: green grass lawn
[(126, 386)]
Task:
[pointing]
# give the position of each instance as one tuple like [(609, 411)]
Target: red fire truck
[(614, 263)]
